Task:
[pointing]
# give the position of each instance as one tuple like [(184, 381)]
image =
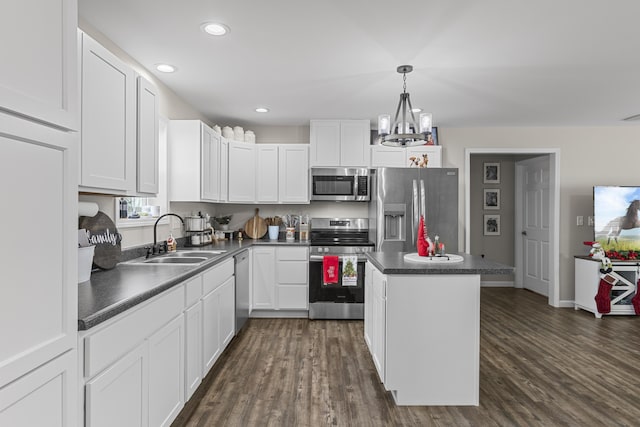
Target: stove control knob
[(326, 249)]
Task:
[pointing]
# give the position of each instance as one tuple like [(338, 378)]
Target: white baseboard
[(566, 304), (282, 314), (496, 284)]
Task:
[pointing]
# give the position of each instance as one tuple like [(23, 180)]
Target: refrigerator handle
[(423, 201), (415, 217)]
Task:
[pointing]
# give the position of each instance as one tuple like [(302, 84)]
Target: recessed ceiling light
[(416, 110), (262, 110), (165, 68), (215, 28)]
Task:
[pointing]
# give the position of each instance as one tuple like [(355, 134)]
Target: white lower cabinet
[(193, 348), (44, 397), (368, 303), (378, 322), (280, 278), (292, 278), (119, 395), (143, 365), (166, 373)]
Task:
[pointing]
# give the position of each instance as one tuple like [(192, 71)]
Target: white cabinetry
[(148, 140), (108, 157), (218, 312), (224, 169), (119, 395), (242, 173), (267, 173), (368, 304), (193, 335), (44, 397), (38, 88), (292, 278), (399, 157), (166, 373), (129, 354), (339, 143), (38, 79), (264, 277), (587, 281), (293, 173), (280, 278), (194, 162), (437, 363)]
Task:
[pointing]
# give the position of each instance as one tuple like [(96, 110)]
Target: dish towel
[(349, 270), (330, 265)]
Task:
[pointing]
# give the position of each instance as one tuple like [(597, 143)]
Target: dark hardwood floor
[(539, 366)]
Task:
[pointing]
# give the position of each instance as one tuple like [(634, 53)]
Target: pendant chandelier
[(404, 131)]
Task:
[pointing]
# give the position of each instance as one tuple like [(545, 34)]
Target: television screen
[(616, 223)]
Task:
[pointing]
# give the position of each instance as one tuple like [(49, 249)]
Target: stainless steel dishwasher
[(242, 288)]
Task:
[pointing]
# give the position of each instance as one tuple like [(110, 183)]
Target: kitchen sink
[(175, 260), (185, 257)]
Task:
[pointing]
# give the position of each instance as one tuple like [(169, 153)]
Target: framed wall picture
[(491, 198), (492, 225), (491, 173)]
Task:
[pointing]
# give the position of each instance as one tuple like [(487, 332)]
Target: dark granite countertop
[(111, 292), (394, 263)]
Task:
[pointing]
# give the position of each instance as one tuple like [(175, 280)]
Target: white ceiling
[(476, 63)]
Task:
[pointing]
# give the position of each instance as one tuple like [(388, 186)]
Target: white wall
[(588, 156)]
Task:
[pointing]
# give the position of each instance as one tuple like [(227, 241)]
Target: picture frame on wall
[(491, 173), (491, 198), (491, 225)]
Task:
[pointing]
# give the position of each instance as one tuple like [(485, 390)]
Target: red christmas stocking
[(636, 300), (603, 297)]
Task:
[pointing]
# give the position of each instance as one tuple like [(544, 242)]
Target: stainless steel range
[(348, 240)]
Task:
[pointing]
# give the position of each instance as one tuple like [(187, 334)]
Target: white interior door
[(535, 224)]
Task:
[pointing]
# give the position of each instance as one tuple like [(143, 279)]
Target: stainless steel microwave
[(340, 184)]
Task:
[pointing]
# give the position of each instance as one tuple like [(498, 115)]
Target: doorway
[(546, 263)]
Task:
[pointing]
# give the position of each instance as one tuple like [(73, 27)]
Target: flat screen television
[(616, 222)]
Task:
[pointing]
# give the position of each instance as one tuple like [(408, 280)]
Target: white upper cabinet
[(148, 141), (194, 157), (293, 173), (267, 173), (210, 165), (242, 172), (224, 169), (400, 157), (108, 146), (340, 143), (38, 77)]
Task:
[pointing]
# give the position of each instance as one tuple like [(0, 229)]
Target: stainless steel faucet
[(154, 249)]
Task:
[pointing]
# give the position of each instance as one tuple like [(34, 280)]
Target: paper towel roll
[(87, 209)]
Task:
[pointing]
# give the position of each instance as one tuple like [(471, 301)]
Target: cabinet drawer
[(292, 254), (192, 291), (216, 276), (109, 343), (292, 272)]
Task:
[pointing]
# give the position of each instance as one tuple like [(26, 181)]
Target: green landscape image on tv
[(616, 223)]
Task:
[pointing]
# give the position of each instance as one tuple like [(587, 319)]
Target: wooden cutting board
[(102, 233), (256, 227)]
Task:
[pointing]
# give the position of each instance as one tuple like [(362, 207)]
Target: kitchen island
[(422, 326)]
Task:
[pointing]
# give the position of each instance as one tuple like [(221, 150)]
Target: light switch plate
[(579, 220)]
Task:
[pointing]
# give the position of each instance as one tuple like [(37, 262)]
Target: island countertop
[(394, 263)]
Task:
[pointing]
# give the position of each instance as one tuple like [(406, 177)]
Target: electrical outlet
[(579, 220), (590, 221)]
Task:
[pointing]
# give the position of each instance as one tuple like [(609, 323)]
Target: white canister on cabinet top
[(238, 133), (249, 136), (227, 132)]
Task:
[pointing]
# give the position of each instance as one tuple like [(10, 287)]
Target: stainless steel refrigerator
[(400, 195)]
